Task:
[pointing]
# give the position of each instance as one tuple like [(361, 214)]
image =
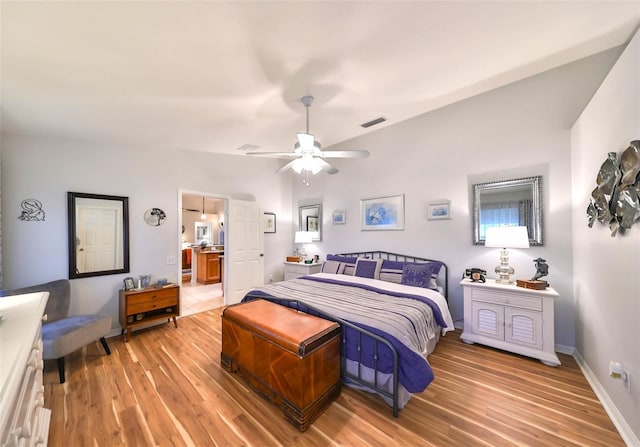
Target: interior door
[(244, 252)]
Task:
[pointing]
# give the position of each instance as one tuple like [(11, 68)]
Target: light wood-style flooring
[(166, 387)]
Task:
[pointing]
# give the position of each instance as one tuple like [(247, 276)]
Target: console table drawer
[(147, 306), (153, 296)]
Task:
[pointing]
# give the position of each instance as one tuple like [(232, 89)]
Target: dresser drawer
[(507, 299)]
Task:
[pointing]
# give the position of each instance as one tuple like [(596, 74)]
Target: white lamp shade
[(303, 237), (507, 237)]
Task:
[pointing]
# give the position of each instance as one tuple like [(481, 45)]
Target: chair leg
[(61, 369), (105, 345)]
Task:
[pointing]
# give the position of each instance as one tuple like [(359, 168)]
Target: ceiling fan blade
[(275, 154), (326, 166), (285, 167), (345, 154)]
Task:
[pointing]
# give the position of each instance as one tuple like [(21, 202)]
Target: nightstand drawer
[(300, 269), (504, 298)]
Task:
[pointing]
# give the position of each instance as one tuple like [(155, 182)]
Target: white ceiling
[(212, 76)]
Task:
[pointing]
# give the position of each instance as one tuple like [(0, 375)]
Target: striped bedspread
[(408, 321)]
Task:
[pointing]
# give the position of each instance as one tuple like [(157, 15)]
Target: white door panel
[(245, 253)]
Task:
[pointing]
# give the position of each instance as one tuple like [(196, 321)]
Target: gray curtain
[(525, 209)]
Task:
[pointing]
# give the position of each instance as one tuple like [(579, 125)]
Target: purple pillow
[(344, 259), (417, 275), (368, 268)]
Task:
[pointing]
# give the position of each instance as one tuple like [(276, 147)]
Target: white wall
[(607, 269), (519, 130), (35, 252)]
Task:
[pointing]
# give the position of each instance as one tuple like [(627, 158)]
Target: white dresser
[(293, 270), (23, 419), (511, 318)]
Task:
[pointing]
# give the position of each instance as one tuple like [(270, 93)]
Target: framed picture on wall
[(339, 217), (382, 213), (269, 222), (440, 209)]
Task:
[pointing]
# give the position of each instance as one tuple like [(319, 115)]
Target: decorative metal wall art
[(155, 216), (31, 210), (615, 201)]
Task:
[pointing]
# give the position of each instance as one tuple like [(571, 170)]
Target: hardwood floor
[(166, 387)]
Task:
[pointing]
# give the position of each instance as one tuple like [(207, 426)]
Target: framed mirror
[(98, 233), (310, 219), (510, 202)]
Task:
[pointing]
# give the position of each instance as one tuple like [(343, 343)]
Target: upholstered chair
[(63, 334)]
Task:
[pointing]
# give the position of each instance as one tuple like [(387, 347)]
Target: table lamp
[(303, 237), (506, 237)]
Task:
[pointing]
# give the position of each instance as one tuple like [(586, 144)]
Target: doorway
[(202, 246)]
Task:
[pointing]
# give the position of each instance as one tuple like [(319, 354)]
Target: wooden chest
[(291, 358)]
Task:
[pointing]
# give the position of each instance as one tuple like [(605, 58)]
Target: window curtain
[(498, 213), (525, 210), (512, 213)]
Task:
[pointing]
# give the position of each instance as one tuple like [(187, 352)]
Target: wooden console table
[(141, 306)]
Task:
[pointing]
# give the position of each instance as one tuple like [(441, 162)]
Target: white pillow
[(335, 267)]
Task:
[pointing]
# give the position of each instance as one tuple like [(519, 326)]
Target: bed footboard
[(359, 337)]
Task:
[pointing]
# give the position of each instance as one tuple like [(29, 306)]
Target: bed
[(392, 309)]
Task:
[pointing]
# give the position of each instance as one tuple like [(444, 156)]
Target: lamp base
[(504, 270), (504, 280)]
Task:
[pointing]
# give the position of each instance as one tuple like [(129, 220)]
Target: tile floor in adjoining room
[(197, 298)]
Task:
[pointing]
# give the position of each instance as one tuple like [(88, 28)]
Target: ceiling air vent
[(373, 122), (248, 147)]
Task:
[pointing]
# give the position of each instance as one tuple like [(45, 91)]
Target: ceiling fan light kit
[(309, 155)]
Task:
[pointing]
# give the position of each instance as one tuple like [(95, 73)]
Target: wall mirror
[(510, 202), (311, 220), (98, 234)]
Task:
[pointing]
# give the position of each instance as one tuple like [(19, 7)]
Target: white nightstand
[(511, 318), (293, 270)]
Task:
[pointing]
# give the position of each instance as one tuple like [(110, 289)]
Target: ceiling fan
[(308, 154)]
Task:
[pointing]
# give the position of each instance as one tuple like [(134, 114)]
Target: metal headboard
[(443, 277)]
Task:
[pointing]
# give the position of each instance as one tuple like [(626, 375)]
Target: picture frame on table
[(439, 210), (129, 283), (269, 222), (382, 213), (339, 217)]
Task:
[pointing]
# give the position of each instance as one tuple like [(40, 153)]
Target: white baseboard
[(618, 420), (563, 349)]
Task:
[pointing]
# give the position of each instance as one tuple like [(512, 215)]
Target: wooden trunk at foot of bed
[(291, 358)]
